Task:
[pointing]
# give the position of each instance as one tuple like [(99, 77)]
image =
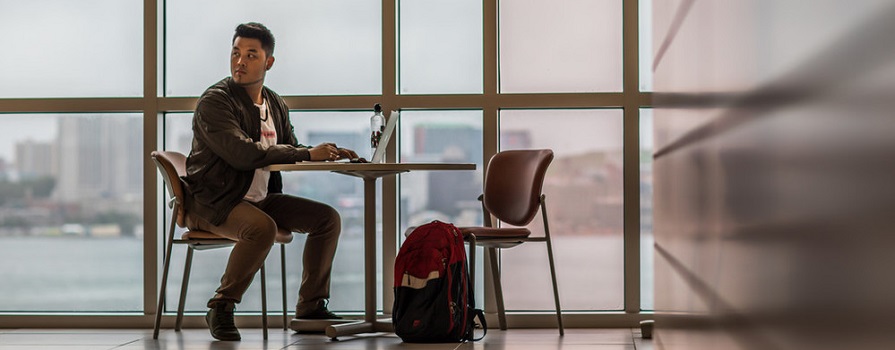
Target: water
[(76, 274), (71, 274)]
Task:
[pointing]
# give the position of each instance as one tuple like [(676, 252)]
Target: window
[(71, 212), (329, 60), (571, 46), (441, 137), (584, 197), (437, 136), (71, 49), (646, 44), (441, 46), (646, 209), (345, 193), (322, 47)]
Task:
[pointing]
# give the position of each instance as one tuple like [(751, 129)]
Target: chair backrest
[(172, 165), (513, 184)]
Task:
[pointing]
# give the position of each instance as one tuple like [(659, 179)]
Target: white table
[(369, 172)]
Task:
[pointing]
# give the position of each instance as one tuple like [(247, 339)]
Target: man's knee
[(331, 220), (333, 214), (262, 231)]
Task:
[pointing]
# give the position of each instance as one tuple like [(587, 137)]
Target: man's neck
[(254, 92)]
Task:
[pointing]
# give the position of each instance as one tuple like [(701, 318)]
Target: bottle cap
[(377, 108)]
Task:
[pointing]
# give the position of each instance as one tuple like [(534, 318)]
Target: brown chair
[(512, 194), (172, 165)]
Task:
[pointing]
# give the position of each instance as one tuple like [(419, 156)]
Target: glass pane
[(179, 132), (346, 129), (346, 194), (448, 196), (71, 212), (575, 47), (646, 209), (322, 47), (441, 46), (61, 48), (646, 44), (584, 204), (208, 265), (441, 137)]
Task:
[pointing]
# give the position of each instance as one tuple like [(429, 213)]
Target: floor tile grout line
[(125, 344)]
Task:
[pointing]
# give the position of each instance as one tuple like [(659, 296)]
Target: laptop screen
[(392, 121)]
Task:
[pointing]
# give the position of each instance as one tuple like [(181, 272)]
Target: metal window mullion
[(631, 144), (151, 136), (490, 115), (389, 183), (71, 105)]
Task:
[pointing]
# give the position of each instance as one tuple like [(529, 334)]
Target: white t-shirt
[(258, 190)]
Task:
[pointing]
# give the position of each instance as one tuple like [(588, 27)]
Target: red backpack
[(434, 300)]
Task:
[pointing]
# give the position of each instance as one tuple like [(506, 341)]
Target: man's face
[(248, 61)]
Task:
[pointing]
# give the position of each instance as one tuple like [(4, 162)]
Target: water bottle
[(377, 126)]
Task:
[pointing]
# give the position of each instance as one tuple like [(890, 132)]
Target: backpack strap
[(478, 313)]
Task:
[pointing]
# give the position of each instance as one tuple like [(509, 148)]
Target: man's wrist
[(303, 154)]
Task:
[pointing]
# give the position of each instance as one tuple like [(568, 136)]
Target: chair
[(172, 165), (512, 194)]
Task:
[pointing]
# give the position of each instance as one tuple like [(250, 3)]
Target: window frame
[(153, 105)]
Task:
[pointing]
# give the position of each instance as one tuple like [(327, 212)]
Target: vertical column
[(631, 141), (151, 137), (490, 124), (389, 183)]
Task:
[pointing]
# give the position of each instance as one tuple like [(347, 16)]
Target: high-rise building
[(35, 159), (460, 142), (99, 157), (446, 192)]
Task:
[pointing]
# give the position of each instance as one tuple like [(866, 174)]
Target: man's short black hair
[(255, 30)]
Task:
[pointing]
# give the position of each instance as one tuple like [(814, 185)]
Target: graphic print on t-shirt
[(258, 190)]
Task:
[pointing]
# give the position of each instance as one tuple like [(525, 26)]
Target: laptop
[(391, 122)]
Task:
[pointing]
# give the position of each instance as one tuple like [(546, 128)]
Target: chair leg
[(552, 265), (187, 267), (161, 294), (498, 290), (263, 302), (555, 289), (283, 283)]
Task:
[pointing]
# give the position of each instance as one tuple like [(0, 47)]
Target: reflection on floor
[(523, 339)]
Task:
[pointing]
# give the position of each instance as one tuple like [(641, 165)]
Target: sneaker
[(318, 313), (220, 322)]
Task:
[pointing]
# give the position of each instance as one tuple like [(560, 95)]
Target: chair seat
[(283, 237), (199, 234), (483, 233)]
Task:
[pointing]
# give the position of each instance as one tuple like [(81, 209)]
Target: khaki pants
[(254, 227)]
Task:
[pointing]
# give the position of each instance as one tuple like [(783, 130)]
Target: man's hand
[(347, 153), (324, 151)]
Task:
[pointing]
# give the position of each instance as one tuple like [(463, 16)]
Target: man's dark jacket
[(226, 149)]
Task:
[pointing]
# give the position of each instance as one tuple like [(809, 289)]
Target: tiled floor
[(137, 339)]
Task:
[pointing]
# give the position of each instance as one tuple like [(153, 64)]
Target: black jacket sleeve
[(218, 126)]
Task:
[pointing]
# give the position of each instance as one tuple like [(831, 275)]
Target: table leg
[(370, 248), (370, 323)]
